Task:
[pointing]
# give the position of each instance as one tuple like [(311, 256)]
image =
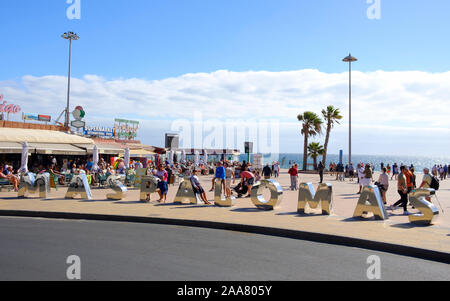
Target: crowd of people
[(241, 173)]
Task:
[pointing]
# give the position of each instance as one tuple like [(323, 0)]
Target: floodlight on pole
[(349, 59), (69, 36)]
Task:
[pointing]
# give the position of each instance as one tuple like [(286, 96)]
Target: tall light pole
[(69, 36), (350, 59)]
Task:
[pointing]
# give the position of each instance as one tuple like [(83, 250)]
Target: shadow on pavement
[(409, 226), (361, 219), (130, 202), (94, 201), (194, 206), (165, 204), (287, 213), (246, 210)]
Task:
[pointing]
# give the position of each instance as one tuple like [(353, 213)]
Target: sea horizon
[(419, 162)]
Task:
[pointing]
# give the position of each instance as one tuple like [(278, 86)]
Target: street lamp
[(350, 59), (69, 36)]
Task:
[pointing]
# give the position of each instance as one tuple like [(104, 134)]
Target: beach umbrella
[(126, 157), (24, 162), (171, 153), (183, 156), (95, 159), (205, 157), (197, 157)]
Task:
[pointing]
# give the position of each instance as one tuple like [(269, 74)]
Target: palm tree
[(314, 150), (331, 115), (311, 127)]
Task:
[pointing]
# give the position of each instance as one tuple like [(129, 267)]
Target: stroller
[(241, 189)]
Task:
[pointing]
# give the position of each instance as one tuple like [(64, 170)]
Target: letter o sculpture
[(276, 195)]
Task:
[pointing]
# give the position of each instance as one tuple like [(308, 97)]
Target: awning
[(10, 148), (40, 136), (141, 153), (103, 148), (56, 149)]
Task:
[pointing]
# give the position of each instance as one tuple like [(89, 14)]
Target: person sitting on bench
[(12, 178), (197, 187)]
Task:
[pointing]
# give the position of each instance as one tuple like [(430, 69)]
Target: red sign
[(8, 108), (45, 118)]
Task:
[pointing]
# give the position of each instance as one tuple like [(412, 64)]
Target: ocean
[(419, 162)]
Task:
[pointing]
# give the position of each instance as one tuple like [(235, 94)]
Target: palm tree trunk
[(305, 152), (325, 147)]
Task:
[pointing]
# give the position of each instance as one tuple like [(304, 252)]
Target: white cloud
[(387, 106)]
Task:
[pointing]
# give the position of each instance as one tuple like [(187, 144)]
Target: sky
[(246, 62)]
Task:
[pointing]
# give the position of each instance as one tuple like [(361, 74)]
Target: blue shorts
[(163, 187)]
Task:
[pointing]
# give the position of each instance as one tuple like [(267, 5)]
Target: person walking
[(219, 175), (320, 167), (366, 176), (162, 184), (383, 182), (394, 171), (351, 171), (293, 172), (276, 169), (402, 189), (229, 173), (360, 176), (410, 179), (426, 181), (267, 172)]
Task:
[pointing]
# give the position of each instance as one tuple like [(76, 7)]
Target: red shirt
[(247, 175), (293, 171)]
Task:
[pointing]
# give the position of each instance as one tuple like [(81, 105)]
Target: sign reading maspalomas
[(8, 108)]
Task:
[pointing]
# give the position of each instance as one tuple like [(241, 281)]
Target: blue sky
[(159, 39), (143, 45)]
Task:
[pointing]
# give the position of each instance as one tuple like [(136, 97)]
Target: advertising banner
[(125, 129)]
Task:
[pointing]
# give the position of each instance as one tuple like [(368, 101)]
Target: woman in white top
[(366, 176), (384, 182)]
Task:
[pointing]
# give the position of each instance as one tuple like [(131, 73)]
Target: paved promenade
[(395, 230)]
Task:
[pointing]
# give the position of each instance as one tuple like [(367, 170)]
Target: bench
[(4, 183)]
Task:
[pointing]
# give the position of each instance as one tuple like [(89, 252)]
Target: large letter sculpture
[(186, 192), (79, 186), (32, 184), (307, 195), (371, 201), (218, 200), (140, 173), (149, 185), (276, 195), (119, 189), (427, 210)]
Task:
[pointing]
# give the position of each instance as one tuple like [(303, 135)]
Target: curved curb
[(286, 233)]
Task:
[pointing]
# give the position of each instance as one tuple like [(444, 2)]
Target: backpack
[(434, 183)]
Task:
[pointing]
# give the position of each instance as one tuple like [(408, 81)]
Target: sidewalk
[(397, 230)]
